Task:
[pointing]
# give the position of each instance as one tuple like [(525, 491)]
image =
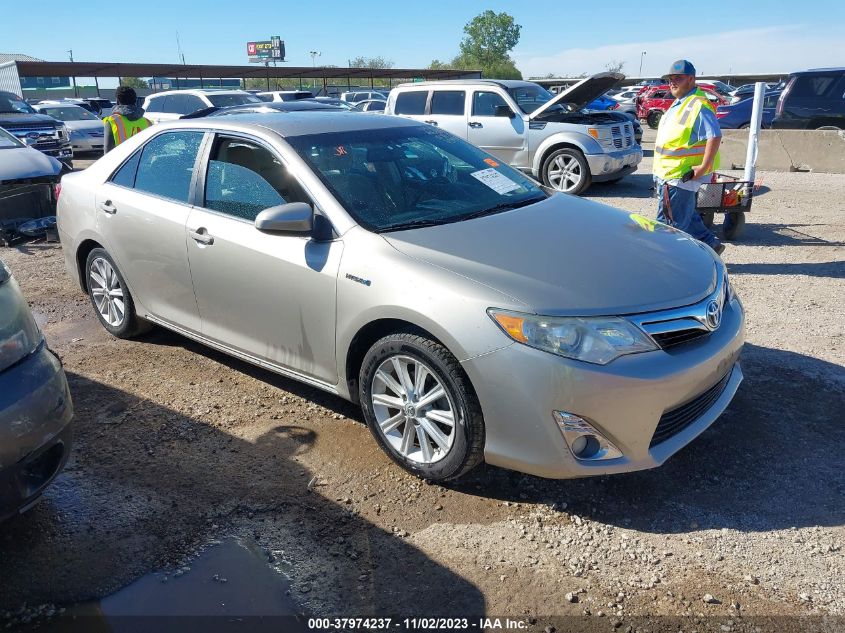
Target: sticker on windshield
[(496, 181), (491, 162)]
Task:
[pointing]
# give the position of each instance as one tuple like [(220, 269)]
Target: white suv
[(174, 104), (552, 137)]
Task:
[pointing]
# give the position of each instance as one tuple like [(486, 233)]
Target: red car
[(653, 101)]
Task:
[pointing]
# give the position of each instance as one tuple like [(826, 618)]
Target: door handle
[(201, 236), (108, 207), (431, 122), (475, 124)]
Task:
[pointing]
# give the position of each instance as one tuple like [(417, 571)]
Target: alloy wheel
[(107, 292), (565, 173), (413, 409)]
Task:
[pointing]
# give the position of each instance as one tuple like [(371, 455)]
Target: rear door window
[(411, 102), (167, 165), (192, 104), (448, 102), (814, 86)]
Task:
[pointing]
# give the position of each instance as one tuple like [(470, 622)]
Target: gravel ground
[(179, 447)]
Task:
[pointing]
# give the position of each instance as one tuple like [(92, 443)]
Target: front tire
[(110, 297), (420, 407), (567, 170)]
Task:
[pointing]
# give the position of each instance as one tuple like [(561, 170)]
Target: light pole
[(314, 56), (75, 91), (641, 63)]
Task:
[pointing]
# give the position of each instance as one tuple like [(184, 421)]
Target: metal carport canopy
[(105, 69)]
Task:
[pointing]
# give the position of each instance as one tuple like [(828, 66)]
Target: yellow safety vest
[(122, 128), (673, 154)]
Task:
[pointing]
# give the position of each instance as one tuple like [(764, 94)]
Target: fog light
[(584, 441), (606, 167)]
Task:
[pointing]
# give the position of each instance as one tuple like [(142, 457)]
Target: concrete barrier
[(787, 150)]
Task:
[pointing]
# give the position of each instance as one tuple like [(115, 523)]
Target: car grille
[(623, 135), (670, 339), (676, 420), (49, 135)]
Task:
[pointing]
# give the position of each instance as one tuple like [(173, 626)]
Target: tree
[(133, 82), (490, 37), (370, 62), (614, 66)]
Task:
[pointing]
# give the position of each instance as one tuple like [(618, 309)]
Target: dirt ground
[(179, 447)]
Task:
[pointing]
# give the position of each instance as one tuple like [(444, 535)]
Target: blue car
[(602, 103), (738, 115)]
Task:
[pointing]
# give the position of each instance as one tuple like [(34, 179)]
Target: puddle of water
[(229, 587)]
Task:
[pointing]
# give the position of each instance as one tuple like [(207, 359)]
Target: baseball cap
[(680, 67)]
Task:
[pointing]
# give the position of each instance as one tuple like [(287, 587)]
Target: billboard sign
[(266, 50)]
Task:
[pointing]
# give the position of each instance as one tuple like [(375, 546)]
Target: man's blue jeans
[(681, 212)]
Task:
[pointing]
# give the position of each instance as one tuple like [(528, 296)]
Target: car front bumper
[(35, 428), (609, 165), (88, 144), (520, 388)]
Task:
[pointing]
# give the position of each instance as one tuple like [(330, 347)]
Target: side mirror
[(293, 217), (503, 110)]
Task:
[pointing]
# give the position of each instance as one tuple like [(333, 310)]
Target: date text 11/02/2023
[(416, 624)]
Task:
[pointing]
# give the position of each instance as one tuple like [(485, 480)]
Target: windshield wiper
[(413, 224), (505, 206)]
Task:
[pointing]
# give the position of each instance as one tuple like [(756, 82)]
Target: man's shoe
[(718, 247)]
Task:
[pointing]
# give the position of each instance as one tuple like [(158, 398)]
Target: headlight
[(63, 131), (590, 339), (19, 334)]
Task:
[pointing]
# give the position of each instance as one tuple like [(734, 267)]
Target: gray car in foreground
[(35, 405), (471, 315)]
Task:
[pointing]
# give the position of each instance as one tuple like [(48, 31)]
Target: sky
[(564, 37)]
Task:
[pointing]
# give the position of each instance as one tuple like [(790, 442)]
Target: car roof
[(291, 124), (502, 83), (838, 69), (301, 105), (198, 91)]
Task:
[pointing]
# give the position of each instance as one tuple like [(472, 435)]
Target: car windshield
[(7, 141), (400, 178), (10, 104), (529, 98), (70, 113), (221, 101)]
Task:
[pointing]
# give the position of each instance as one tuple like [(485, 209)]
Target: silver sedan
[(471, 315), (85, 129)]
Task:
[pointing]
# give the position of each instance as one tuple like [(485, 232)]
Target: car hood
[(17, 119), (582, 93), (84, 126), (568, 256), (25, 163)]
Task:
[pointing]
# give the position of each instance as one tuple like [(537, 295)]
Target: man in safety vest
[(686, 152), (127, 119)]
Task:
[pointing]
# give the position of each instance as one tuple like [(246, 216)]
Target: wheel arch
[(552, 145), (82, 252), (372, 331)]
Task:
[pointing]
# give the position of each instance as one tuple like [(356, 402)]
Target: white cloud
[(760, 50)]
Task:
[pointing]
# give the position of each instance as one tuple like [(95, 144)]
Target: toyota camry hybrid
[(472, 316)]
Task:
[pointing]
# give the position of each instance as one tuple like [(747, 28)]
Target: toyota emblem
[(713, 315)]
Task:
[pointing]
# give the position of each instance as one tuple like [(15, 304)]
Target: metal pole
[(641, 64), (754, 131), (97, 84)]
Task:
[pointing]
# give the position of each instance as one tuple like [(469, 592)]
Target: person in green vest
[(686, 153), (127, 119)]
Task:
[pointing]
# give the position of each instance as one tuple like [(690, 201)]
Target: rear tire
[(653, 119), (110, 297), (567, 170), (437, 439)]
